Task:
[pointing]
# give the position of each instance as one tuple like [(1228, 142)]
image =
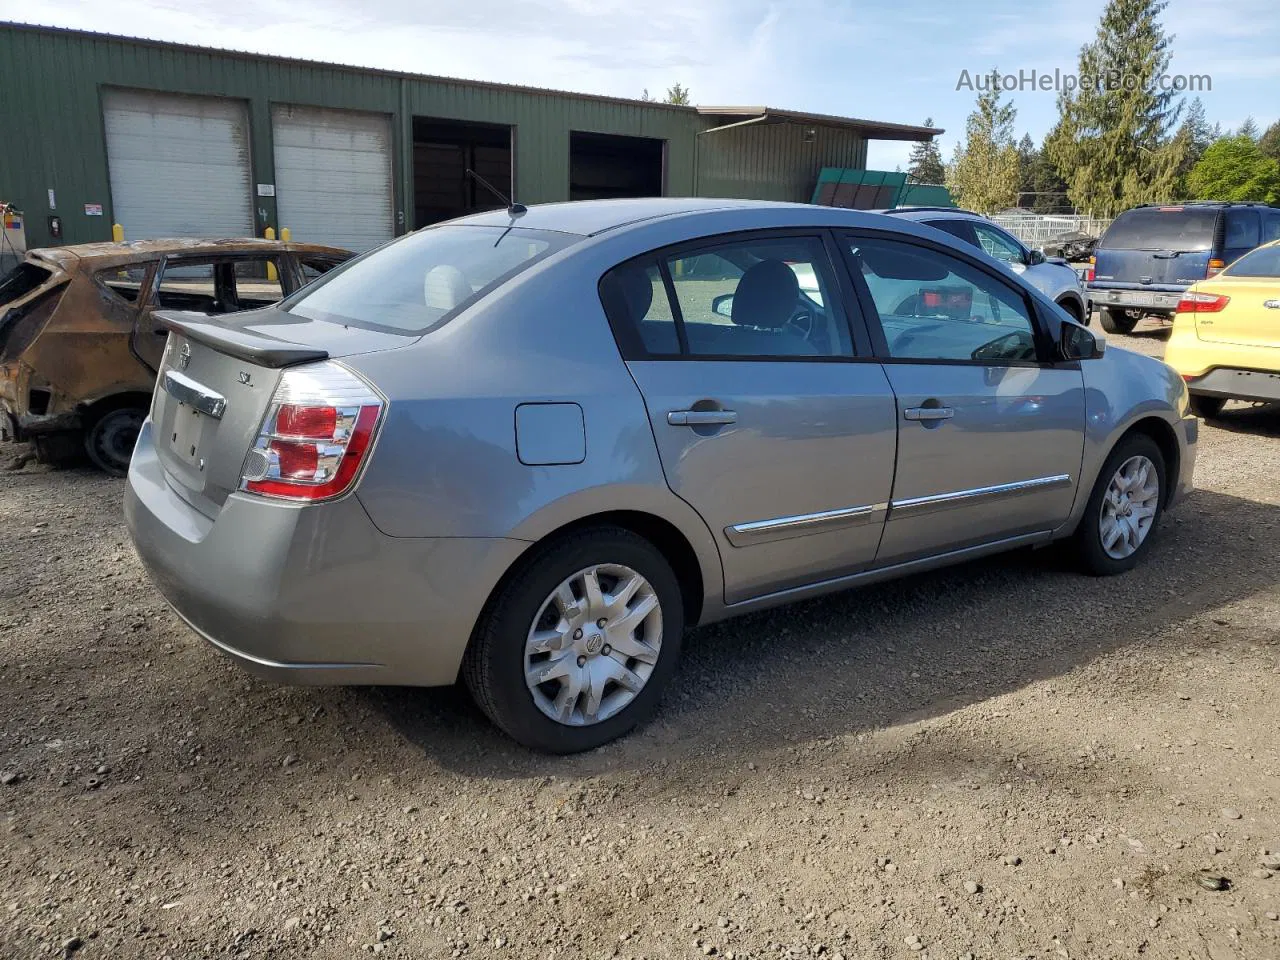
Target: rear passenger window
[(125, 282), (1271, 227), (1242, 229), (257, 283), (763, 299)]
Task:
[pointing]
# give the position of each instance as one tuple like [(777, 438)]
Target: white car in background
[(1052, 276)]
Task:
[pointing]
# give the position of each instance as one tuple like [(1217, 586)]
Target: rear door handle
[(701, 418), (928, 413)]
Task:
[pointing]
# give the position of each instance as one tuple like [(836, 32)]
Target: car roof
[(933, 213), (125, 251)]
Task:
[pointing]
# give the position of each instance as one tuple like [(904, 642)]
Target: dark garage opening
[(603, 166), (443, 151)]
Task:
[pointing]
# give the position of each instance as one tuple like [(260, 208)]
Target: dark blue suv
[(1151, 254)]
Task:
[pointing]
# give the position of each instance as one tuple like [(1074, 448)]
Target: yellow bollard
[(285, 234), (270, 234), (117, 232)]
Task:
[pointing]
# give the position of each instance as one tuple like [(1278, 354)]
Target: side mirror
[(1035, 258), (723, 305), (1077, 343)]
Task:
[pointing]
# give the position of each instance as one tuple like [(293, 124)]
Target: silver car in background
[(1052, 276), (532, 447)]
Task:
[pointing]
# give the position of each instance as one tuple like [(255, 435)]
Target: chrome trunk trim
[(185, 390)]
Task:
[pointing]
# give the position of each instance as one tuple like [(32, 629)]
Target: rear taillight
[(316, 435), (1092, 271), (1214, 266), (1202, 303)]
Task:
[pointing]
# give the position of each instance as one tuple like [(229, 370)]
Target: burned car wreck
[(79, 347)]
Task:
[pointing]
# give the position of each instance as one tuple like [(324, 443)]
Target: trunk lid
[(217, 380), (1246, 320)]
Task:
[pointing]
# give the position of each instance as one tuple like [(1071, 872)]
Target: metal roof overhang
[(871, 129)]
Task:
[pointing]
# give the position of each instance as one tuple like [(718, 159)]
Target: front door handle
[(928, 413), (701, 418)]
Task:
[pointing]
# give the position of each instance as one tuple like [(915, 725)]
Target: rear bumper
[(1233, 383), (1153, 301), (312, 594)]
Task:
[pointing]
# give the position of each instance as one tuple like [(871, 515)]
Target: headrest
[(766, 295), (444, 287)]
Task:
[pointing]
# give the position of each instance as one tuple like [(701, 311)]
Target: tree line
[(1115, 145)]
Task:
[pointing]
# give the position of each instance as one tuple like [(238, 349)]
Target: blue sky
[(897, 60)]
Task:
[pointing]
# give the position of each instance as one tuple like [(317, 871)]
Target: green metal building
[(171, 140)]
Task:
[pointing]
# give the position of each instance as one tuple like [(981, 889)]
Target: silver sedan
[(532, 447)]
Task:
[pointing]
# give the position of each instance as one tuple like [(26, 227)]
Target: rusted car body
[(79, 350)]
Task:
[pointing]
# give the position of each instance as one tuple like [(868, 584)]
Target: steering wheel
[(801, 322), (1011, 346)]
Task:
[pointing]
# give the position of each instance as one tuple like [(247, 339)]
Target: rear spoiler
[(235, 341)]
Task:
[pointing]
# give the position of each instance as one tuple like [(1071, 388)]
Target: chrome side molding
[(780, 528), (185, 390), (919, 506)]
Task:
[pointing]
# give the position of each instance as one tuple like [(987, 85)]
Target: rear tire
[(1207, 407), (111, 436), (534, 600), (1096, 552), (1117, 321)]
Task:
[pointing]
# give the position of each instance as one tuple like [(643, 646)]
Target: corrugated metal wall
[(773, 161), (51, 128)]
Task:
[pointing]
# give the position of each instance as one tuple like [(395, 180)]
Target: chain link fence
[(1035, 230)]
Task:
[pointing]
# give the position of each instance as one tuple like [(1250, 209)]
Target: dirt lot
[(1002, 760)]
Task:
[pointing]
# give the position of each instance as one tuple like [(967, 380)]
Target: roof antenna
[(513, 209)]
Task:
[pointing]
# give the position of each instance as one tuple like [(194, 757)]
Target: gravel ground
[(1001, 760)]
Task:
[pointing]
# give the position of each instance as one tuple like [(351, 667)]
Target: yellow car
[(1226, 334)]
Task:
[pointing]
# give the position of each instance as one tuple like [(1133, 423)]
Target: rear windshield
[(1263, 262), (21, 280), (422, 280), (1162, 228)]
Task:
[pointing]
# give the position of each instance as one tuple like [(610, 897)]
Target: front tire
[(1123, 509), (575, 649), (1207, 407), (1117, 321)]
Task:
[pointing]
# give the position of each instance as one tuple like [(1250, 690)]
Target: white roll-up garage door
[(179, 165), (333, 175)]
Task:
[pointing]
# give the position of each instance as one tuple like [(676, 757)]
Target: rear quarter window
[(1162, 228), (21, 280)]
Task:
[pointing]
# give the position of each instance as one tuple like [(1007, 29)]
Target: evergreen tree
[(984, 172), (677, 94), (1027, 155), (1112, 142), (1248, 129), (1269, 142), (925, 162), (1049, 188)]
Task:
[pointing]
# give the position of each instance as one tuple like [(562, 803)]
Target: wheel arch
[(1073, 304), (697, 583), (90, 411), (1164, 437)]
